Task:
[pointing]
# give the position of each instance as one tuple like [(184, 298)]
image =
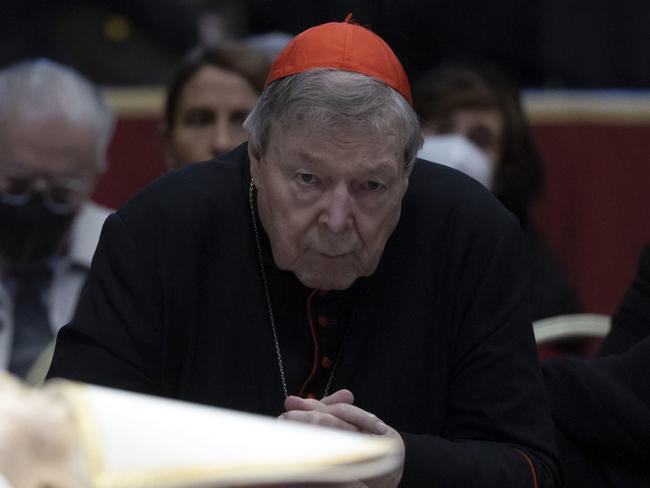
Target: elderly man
[(54, 130), (322, 274)]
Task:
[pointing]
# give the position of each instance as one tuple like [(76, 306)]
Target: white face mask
[(460, 153)]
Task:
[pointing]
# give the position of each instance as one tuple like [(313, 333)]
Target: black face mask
[(31, 233)]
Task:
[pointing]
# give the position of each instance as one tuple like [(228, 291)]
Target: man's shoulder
[(194, 191), (437, 192), (446, 217), (214, 180)]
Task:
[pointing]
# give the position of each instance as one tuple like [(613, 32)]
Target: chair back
[(570, 335)]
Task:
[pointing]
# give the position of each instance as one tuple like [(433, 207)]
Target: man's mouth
[(333, 255)]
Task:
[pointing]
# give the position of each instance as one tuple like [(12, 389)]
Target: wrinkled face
[(328, 202), (49, 154), (484, 127), (211, 108)]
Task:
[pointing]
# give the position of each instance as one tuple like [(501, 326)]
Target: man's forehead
[(26, 118), (48, 142), (363, 151), (341, 132)]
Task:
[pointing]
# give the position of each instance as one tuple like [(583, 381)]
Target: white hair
[(335, 101), (44, 87)]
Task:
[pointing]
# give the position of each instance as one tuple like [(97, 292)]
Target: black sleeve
[(601, 409), (498, 430), (114, 338)]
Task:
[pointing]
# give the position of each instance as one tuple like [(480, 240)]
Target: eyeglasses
[(59, 194)]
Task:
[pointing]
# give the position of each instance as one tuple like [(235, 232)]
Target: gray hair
[(335, 101), (44, 87)]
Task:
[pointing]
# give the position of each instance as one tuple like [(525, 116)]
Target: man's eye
[(18, 186), (306, 178), (374, 186)]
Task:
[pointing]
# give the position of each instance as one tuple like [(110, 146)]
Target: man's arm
[(601, 409), (112, 339), (497, 427), (498, 430)]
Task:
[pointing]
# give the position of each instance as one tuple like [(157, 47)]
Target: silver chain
[(276, 342), (278, 353)]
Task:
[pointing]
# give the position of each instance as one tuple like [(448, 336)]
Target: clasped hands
[(338, 411)]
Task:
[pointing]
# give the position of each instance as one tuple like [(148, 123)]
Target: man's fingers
[(340, 396), (344, 413), (318, 418), (335, 410), (364, 421), (297, 403)]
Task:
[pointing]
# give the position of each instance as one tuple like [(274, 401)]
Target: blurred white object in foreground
[(460, 153), (38, 442), (133, 440)]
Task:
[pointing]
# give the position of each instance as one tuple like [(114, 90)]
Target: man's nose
[(337, 213)]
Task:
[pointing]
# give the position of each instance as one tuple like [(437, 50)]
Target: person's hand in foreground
[(338, 411)]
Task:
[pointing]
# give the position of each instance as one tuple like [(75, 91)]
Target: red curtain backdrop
[(135, 157), (596, 210)]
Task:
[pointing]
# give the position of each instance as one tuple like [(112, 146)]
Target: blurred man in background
[(208, 98), (54, 132)]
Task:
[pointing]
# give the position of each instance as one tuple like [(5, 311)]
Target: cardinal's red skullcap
[(345, 46)]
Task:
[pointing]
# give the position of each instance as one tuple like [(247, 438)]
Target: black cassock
[(437, 342)]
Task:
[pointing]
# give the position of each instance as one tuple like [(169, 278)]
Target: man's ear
[(407, 176)]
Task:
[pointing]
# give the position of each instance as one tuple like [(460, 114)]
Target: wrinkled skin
[(329, 202)]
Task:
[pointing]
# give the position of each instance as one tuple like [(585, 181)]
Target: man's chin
[(326, 280)]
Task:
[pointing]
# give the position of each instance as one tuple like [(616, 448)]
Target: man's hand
[(338, 411)]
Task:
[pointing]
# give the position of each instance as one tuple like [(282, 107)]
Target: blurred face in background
[(211, 108), (48, 167), (484, 127)]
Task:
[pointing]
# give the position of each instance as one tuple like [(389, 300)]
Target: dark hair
[(238, 58), (519, 176)]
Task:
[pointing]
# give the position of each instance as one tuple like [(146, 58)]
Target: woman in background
[(208, 98), (478, 104)]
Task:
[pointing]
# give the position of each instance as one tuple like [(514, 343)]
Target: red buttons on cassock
[(325, 362), (323, 320)]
